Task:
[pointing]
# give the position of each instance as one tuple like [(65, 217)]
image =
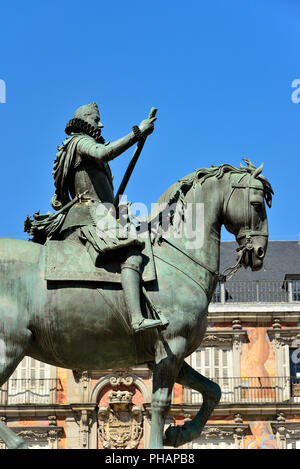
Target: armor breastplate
[(95, 179)]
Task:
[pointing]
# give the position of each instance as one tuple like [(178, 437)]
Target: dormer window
[(296, 290), (292, 282)]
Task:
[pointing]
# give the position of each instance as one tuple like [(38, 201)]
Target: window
[(292, 444), (30, 383), (32, 444), (296, 290), (291, 284), (294, 356), (221, 294), (213, 443), (283, 390), (217, 294), (214, 363), (294, 363), (38, 445)]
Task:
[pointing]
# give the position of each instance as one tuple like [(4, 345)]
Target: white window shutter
[(30, 382), (214, 363), (286, 385)]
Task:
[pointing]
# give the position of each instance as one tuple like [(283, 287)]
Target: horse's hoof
[(170, 436)]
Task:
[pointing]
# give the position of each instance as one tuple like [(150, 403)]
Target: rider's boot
[(131, 280)]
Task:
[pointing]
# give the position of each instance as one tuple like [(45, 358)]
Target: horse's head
[(245, 214)]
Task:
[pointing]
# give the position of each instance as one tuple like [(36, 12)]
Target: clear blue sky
[(220, 73)]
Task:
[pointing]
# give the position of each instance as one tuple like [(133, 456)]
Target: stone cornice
[(224, 430), (226, 312), (263, 409), (142, 371), (287, 429), (38, 433), (284, 336), (215, 338), (83, 407), (44, 410)]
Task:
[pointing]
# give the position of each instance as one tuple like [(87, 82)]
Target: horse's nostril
[(260, 253)]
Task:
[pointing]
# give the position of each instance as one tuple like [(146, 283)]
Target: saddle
[(67, 260)]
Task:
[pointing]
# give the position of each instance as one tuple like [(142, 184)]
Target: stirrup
[(146, 324)]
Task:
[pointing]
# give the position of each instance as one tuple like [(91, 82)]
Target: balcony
[(255, 390), (31, 391), (257, 291)]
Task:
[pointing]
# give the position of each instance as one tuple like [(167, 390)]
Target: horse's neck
[(200, 233)]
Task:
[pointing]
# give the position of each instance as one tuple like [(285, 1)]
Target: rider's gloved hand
[(147, 126)]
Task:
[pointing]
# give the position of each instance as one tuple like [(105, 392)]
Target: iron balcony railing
[(31, 391), (255, 390), (247, 390), (257, 291)]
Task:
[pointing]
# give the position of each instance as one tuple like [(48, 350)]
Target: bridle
[(248, 231)]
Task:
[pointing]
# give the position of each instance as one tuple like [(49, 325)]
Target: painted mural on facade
[(262, 436)]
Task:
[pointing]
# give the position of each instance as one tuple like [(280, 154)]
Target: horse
[(85, 325)]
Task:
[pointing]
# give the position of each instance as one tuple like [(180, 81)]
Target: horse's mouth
[(251, 260), (247, 259)]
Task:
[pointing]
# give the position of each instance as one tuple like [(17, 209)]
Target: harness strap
[(116, 313), (249, 233), (187, 275), (190, 256)]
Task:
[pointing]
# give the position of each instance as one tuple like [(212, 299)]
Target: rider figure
[(81, 166)]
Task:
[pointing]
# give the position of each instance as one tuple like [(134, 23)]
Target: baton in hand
[(132, 163)]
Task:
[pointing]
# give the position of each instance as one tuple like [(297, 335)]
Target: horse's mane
[(179, 189)]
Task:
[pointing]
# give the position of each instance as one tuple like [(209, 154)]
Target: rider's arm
[(114, 149), (105, 153)]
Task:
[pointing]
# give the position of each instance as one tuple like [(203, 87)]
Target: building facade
[(251, 349)]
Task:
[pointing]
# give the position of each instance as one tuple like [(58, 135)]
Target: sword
[(132, 163)]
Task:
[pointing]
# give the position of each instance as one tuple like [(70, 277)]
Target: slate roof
[(266, 285), (282, 257)]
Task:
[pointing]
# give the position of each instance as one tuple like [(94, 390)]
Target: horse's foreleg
[(11, 440), (168, 361), (211, 392)]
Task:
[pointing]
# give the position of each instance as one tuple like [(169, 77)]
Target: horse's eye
[(257, 205)]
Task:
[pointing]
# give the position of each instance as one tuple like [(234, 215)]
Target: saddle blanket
[(70, 261)]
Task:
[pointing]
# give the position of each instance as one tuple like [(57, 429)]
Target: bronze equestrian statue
[(81, 167), (86, 324)]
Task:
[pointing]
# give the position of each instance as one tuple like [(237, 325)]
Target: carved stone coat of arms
[(121, 422)]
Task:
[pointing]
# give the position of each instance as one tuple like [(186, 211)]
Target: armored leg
[(131, 283)]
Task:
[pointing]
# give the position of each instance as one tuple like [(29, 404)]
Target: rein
[(190, 256), (224, 276)]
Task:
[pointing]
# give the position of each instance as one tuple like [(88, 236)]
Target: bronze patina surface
[(89, 325)]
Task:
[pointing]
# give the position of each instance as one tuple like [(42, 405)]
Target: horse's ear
[(249, 164), (268, 197), (258, 171)]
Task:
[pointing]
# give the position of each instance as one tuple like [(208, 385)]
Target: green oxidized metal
[(86, 324)]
